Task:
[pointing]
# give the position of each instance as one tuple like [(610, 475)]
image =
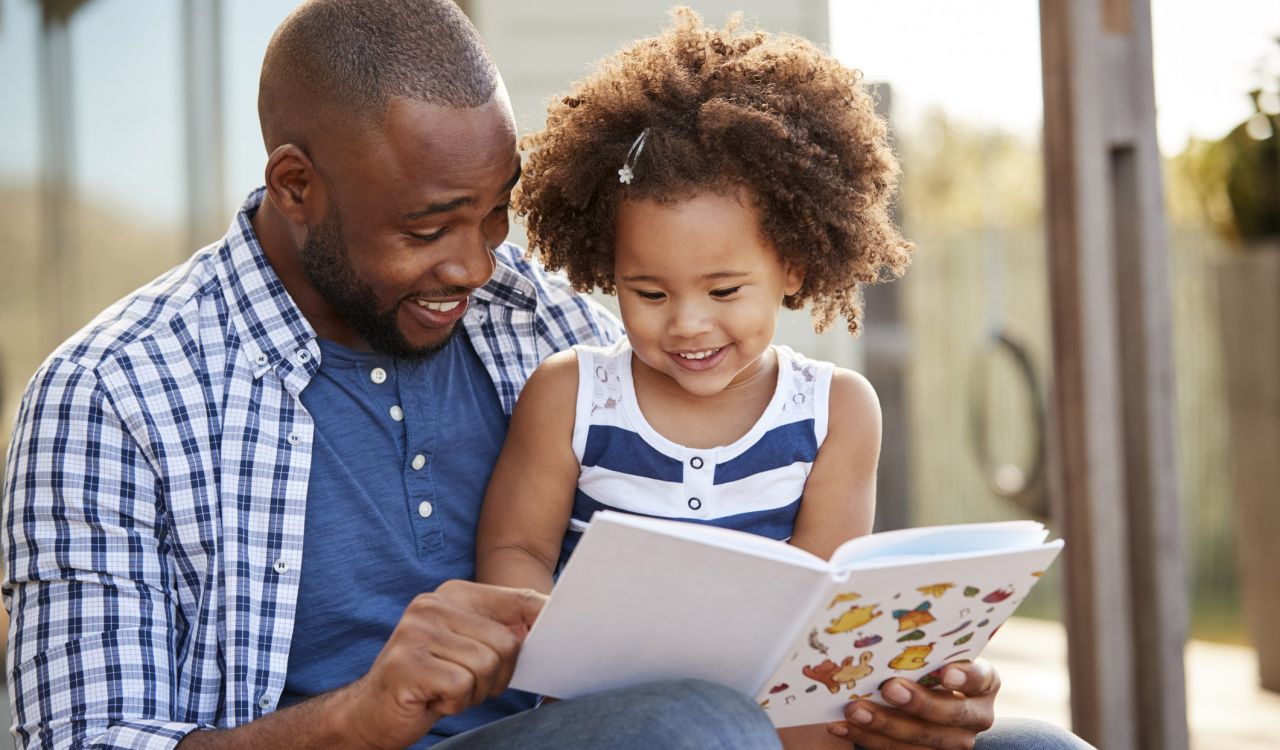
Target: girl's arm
[(530, 495), (840, 494), (839, 499)]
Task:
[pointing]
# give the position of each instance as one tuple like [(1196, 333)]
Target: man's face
[(414, 213)]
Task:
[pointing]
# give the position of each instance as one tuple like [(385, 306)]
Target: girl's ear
[(794, 280)]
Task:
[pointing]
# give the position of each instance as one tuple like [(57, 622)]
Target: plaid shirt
[(157, 483)]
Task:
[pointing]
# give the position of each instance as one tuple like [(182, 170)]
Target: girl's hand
[(947, 717)]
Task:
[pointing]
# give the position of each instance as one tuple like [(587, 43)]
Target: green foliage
[(1253, 176), (1235, 180), (1195, 194)]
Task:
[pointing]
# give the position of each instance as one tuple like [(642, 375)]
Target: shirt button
[(293, 438), (261, 359), (424, 509), (695, 462), (397, 413), (695, 503), (303, 355), (418, 462), (264, 702), (378, 375), (281, 566)]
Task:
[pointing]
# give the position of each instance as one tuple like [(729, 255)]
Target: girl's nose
[(690, 320)]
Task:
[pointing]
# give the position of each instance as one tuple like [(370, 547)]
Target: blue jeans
[(689, 714), (685, 714), (1028, 734)]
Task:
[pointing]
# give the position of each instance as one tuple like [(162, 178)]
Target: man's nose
[(472, 264)]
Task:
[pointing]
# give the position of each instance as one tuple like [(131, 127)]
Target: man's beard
[(328, 265)]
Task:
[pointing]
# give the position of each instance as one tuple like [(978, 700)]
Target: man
[(227, 495)]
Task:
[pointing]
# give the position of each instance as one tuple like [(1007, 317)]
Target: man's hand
[(942, 718), (452, 649)]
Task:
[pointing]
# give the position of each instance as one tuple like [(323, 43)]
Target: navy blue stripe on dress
[(775, 523), (626, 452), (782, 446)]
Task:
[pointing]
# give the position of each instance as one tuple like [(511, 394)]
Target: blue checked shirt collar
[(274, 334)]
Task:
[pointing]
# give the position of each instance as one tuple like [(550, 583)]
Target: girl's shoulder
[(809, 370), (559, 376), (608, 363), (846, 394), (613, 350), (555, 378), (799, 366)]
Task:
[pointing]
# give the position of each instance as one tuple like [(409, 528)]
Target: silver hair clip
[(627, 173)]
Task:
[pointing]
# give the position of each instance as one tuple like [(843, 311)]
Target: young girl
[(708, 178)]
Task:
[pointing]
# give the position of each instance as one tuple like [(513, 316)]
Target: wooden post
[(1114, 483)]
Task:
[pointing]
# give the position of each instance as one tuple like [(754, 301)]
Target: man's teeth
[(698, 355), (439, 306)]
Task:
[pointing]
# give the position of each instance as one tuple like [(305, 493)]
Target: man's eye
[(503, 209), (726, 292), (429, 237)]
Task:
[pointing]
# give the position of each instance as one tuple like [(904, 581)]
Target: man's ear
[(294, 187)]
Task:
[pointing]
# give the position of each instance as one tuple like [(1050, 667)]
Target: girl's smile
[(700, 360)]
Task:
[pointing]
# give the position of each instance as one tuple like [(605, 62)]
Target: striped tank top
[(754, 484)]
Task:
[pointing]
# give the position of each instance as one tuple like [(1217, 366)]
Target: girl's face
[(699, 287)]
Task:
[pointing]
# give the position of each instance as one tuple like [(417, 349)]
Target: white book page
[(752, 544), (927, 542), (907, 622), (692, 610)]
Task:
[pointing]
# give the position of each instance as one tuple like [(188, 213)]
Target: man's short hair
[(334, 62)]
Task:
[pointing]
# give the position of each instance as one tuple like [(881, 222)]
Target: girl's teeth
[(699, 355), (439, 306)]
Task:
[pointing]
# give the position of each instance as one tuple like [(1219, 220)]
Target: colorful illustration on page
[(858, 639)]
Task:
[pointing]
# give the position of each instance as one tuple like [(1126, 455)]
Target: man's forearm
[(320, 722)]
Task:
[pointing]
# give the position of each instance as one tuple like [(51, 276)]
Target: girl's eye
[(726, 292), (649, 295)]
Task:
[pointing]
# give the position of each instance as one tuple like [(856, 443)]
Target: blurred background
[(129, 136)]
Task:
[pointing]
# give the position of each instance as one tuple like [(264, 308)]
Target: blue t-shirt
[(402, 456)]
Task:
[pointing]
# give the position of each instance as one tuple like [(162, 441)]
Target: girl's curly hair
[(724, 110)]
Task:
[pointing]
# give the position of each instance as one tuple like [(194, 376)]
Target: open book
[(644, 599)]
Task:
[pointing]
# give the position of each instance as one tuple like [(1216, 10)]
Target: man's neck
[(280, 242)]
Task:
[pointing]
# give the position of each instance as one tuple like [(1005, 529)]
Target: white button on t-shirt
[(378, 375), (418, 462), (424, 509), (397, 413)]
